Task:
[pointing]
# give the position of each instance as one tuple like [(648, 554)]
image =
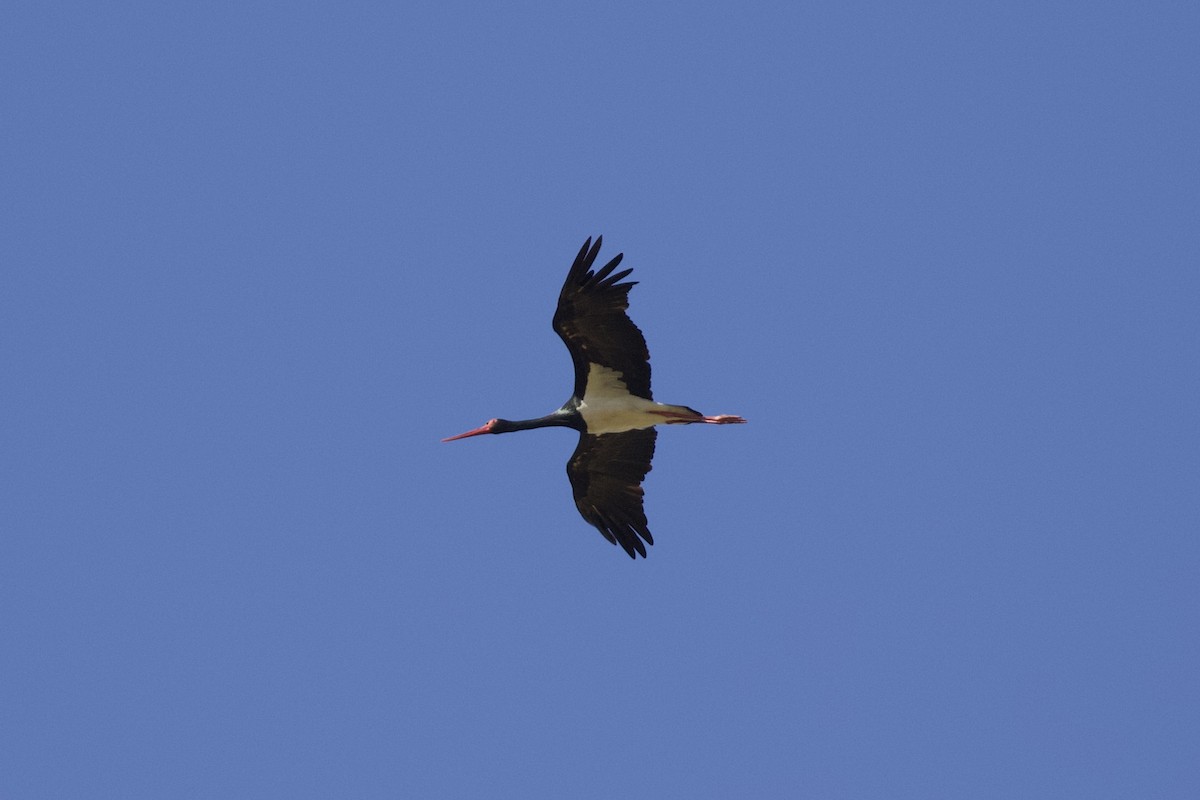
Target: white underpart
[(608, 407)]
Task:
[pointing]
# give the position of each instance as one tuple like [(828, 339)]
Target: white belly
[(608, 407)]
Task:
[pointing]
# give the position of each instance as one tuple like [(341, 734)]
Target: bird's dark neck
[(566, 417)]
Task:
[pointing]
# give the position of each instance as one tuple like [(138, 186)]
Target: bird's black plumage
[(606, 471), (606, 475), (616, 415), (592, 322)]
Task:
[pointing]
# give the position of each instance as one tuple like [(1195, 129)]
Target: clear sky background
[(256, 259)]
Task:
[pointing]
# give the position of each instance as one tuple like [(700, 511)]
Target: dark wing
[(606, 473), (591, 319)]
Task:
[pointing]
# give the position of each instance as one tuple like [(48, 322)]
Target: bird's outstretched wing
[(591, 319), (606, 473)]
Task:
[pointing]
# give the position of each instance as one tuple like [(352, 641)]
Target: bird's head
[(491, 426)]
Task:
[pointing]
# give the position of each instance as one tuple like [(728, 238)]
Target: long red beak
[(481, 429)]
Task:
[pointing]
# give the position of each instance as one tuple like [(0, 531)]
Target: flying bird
[(612, 407)]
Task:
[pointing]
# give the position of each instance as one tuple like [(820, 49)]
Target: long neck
[(561, 418)]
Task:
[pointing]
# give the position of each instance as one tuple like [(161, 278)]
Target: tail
[(682, 415)]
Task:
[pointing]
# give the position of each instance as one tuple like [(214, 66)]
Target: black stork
[(612, 407)]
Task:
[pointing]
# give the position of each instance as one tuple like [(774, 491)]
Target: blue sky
[(259, 258)]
